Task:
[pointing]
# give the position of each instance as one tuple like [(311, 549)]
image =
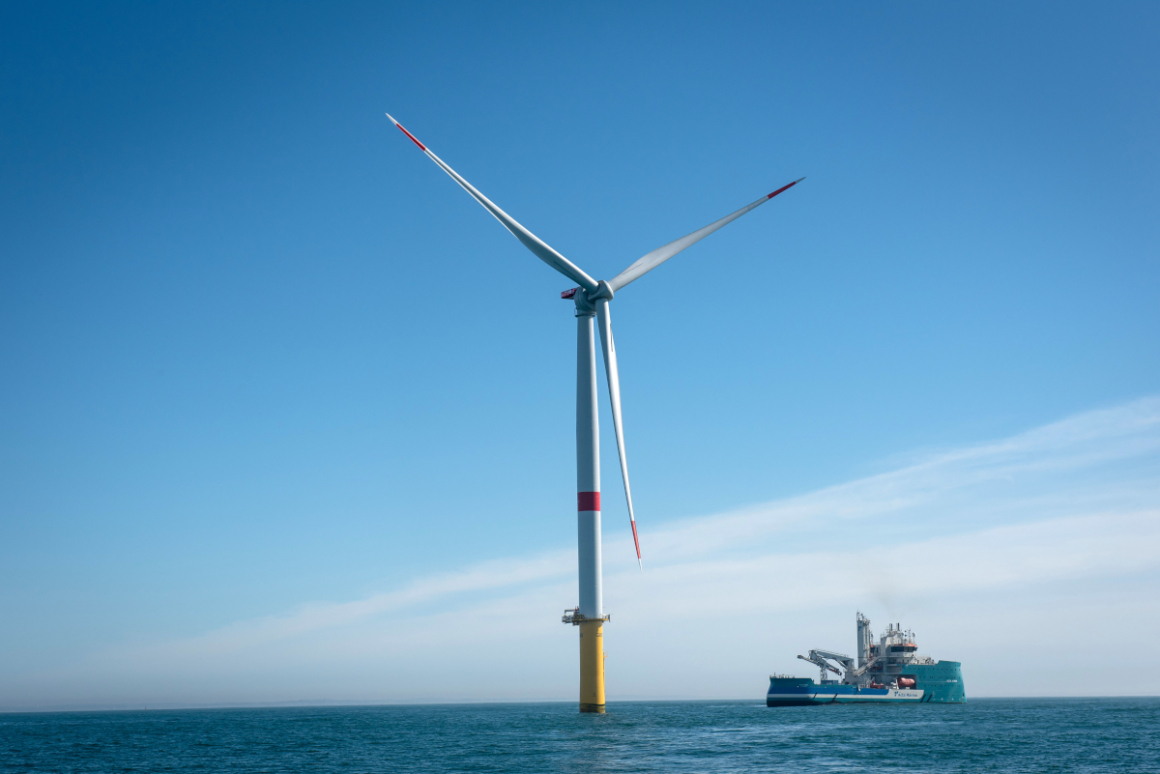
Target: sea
[(984, 735)]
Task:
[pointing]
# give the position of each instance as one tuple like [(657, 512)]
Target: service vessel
[(887, 672)]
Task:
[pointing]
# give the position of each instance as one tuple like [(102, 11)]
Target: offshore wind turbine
[(591, 299)]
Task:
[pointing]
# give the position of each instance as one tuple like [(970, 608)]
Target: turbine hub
[(603, 290)]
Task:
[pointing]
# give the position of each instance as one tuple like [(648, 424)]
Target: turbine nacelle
[(586, 300), (584, 304)]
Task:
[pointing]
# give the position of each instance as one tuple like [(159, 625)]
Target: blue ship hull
[(940, 683)]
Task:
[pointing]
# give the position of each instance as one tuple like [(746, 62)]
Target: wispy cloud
[(483, 577), (1076, 499), (1103, 459)]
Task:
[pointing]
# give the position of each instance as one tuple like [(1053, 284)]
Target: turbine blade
[(650, 261), (610, 369), (538, 247)]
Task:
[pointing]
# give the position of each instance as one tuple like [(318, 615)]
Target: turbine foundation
[(592, 666), (591, 658)]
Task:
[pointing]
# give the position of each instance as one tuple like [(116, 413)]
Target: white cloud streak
[(1076, 500)]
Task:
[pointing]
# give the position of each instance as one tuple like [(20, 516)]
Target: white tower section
[(588, 468)]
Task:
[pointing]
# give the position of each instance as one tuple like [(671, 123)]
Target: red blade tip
[(422, 147), (636, 541), (775, 193)]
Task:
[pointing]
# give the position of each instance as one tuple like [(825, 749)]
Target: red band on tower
[(588, 501)]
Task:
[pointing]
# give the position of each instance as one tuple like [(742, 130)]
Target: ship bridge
[(879, 664)]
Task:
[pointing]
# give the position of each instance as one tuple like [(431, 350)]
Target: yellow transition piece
[(592, 666)]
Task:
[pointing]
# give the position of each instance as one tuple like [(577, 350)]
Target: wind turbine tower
[(591, 299)]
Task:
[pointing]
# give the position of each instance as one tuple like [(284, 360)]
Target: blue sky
[(261, 356)]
